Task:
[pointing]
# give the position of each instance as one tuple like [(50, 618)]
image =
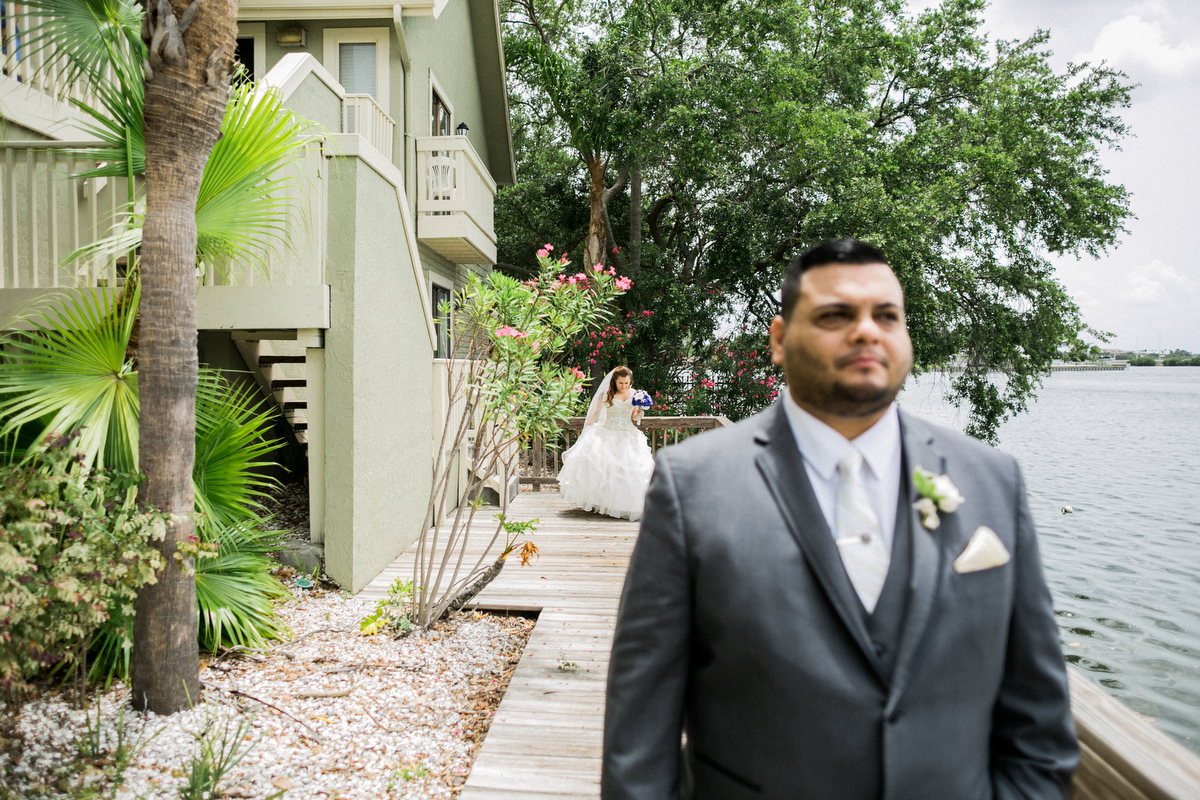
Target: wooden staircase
[(278, 366)]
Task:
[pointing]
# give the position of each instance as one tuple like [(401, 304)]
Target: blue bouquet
[(641, 399)]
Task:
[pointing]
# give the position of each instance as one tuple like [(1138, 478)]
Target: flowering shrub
[(74, 549), (734, 379), (507, 383)]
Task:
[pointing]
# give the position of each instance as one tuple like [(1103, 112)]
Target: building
[(394, 211)]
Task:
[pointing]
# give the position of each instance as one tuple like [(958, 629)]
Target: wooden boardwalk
[(545, 739)]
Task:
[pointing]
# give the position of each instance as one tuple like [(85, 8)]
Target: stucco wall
[(12, 132), (315, 45), (378, 380), (316, 102), (446, 46)]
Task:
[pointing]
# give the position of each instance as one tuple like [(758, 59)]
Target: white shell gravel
[(416, 710)]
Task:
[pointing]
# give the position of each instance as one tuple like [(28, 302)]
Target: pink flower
[(563, 260), (510, 331), (616, 249), (543, 253), (548, 246), (599, 268), (623, 283), (577, 372), (591, 361)]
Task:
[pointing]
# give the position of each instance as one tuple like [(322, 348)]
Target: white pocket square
[(984, 551)]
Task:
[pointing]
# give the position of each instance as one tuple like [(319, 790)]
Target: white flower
[(948, 498), (928, 510), (938, 493)]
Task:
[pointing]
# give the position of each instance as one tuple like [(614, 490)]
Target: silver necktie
[(858, 535)]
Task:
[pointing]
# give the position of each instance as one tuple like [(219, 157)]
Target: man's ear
[(778, 327)]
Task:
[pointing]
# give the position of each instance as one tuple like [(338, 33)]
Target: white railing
[(46, 215), (37, 67), (453, 180), (302, 263), (362, 115)]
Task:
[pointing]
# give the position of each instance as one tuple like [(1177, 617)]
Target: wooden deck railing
[(541, 462), (362, 115), (36, 65), (1124, 757), (454, 181), (46, 214)]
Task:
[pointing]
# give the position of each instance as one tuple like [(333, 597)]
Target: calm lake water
[(1123, 450)]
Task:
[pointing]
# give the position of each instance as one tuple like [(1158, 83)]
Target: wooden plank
[(1125, 756)]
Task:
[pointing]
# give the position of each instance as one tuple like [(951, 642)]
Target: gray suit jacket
[(738, 623)]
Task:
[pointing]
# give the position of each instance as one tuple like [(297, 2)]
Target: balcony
[(455, 198), (47, 215), (362, 115), (34, 88)]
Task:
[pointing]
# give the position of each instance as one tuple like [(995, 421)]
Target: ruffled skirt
[(607, 470)]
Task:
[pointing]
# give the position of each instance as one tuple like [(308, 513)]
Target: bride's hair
[(619, 372)]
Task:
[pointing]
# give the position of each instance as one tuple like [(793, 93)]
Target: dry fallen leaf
[(282, 783)]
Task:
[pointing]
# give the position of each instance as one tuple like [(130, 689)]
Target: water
[(1123, 450)]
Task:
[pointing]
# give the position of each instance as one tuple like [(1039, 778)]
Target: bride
[(608, 468)]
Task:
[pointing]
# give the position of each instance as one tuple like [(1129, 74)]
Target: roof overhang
[(493, 89), (255, 10)]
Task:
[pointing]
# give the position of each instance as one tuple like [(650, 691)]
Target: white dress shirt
[(822, 448)]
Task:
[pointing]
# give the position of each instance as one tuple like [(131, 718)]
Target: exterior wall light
[(462, 129), (290, 37)]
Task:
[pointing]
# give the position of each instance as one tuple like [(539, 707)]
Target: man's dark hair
[(832, 251)]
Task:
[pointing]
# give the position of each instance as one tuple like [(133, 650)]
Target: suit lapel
[(783, 469), (920, 450)]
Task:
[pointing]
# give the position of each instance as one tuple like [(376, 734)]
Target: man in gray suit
[(821, 622)]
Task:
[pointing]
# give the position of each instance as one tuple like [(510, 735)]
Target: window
[(441, 117), (359, 59), (356, 68), (441, 321)]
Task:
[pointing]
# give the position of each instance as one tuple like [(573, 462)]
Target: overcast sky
[(1149, 285)]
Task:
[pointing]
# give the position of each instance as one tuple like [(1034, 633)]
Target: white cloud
[(1157, 283), (1135, 41)]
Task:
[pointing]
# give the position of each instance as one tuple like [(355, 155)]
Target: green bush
[(1142, 362), (1182, 362), (74, 548), (73, 372)]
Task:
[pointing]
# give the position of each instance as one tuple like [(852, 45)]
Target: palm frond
[(70, 373), (234, 590), (83, 39), (232, 446), (243, 206)]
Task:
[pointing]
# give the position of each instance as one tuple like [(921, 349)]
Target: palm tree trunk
[(185, 102)]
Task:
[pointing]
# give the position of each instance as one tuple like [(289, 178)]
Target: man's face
[(845, 351)]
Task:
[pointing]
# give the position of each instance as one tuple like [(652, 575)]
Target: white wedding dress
[(608, 468)]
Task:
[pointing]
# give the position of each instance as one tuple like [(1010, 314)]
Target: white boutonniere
[(938, 493)]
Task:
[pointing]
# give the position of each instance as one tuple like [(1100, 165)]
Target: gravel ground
[(287, 505), (352, 717)]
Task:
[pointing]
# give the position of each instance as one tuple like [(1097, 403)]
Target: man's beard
[(836, 398), (842, 400)]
